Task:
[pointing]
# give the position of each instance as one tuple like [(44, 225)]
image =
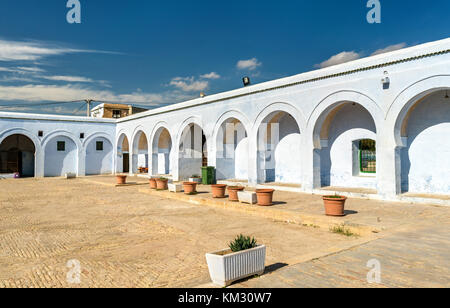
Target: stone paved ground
[(416, 256), (124, 238)]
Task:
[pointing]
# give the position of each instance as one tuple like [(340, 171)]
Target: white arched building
[(380, 124)]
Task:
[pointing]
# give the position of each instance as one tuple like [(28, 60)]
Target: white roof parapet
[(378, 61), (50, 117)]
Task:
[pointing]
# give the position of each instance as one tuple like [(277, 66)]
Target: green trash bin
[(208, 175)]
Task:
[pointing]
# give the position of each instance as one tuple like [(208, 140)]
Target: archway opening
[(425, 158), (140, 153), (347, 153), (123, 155), (99, 155), (17, 155), (232, 151), (279, 144), (61, 157), (193, 153), (161, 154)]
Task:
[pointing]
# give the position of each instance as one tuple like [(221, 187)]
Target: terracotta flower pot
[(153, 183), (121, 179), (218, 191), (265, 197), (233, 192), (189, 187), (334, 205), (161, 184)]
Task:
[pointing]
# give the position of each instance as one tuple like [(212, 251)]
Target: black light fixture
[(81, 135), (446, 95), (246, 81)]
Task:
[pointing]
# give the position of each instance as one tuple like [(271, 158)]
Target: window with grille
[(116, 114), (61, 146), (99, 146), (367, 156)]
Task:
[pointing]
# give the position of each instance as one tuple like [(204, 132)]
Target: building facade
[(381, 124)]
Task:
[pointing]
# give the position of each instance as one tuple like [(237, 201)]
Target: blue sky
[(154, 53)]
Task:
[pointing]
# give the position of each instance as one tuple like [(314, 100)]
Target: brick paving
[(125, 238)]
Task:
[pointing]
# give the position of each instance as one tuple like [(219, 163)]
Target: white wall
[(99, 162), (350, 123), (58, 163), (426, 159)]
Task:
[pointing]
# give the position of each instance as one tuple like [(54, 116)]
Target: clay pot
[(189, 187), (121, 179), (153, 183), (161, 184), (265, 197), (334, 205), (218, 191), (233, 192)]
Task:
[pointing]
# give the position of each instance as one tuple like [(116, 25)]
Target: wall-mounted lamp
[(446, 95), (202, 94), (246, 81), (385, 81)]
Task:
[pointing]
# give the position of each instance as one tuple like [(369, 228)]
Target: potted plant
[(152, 183), (218, 190), (121, 179), (265, 196), (190, 188), (233, 192), (334, 205), (196, 178), (161, 183), (243, 258)]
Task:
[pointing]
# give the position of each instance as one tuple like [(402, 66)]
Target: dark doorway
[(17, 154), (126, 162)]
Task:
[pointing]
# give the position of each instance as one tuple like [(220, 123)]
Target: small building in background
[(114, 111)]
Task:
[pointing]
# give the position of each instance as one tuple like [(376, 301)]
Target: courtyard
[(129, 237)]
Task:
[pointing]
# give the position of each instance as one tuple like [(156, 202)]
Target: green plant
[(242, 242), (341, 229), (195, 176), (163, 179)]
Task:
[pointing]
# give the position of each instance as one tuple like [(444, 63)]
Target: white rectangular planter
[(247, 197), (175, 187), (224, 268), (196, 180)]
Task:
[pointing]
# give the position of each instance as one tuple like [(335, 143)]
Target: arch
[(231, 150), (277, 107), (59, 161), (18, 155), (123, 154), (191, 148), (99, 157), (335, 127), (424, 126), (162, 149), (139, 150), (278, 133), (406, 99), (323, 112)]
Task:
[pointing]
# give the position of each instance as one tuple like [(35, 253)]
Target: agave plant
[(242, 242)]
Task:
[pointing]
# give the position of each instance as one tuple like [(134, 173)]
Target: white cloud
[(68, 78), (389, 49), (56, 93), (189, 84), (212, 75), (32, 51), (343, 57), (250, 64)]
